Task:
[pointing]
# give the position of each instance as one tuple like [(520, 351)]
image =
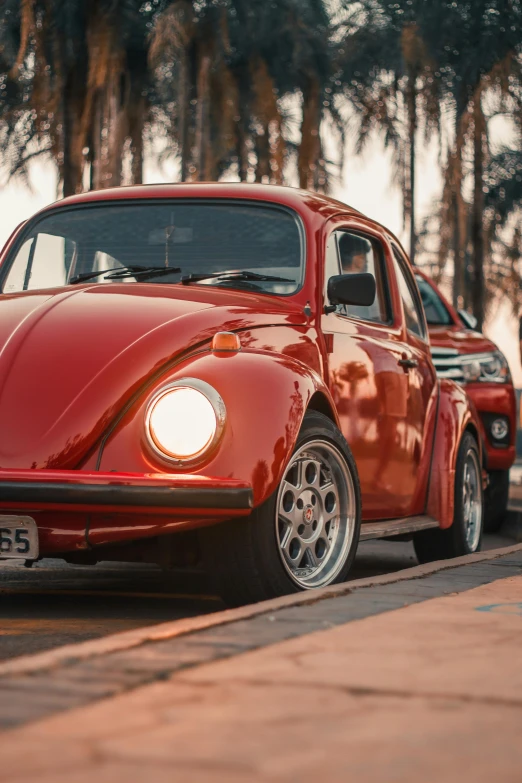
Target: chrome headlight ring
[(184, 421)]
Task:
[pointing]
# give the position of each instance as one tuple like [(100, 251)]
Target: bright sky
[(365, 186)]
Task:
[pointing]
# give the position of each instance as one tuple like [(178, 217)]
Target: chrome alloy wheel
[(316, 512), (472, 511)]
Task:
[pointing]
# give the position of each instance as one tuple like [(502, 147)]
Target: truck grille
[(448, 363)]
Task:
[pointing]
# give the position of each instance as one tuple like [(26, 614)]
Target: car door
[(371, 380), (422, 379)]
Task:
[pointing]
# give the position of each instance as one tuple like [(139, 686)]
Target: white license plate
[(18, 537)]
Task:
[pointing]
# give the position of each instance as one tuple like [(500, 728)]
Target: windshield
[(436, 311), (188, 238)]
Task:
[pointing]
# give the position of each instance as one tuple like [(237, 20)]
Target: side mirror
[(469, 320), (354, 289)]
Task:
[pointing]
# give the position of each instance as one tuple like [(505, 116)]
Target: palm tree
[(115, 102), (387, 72), (225, 69), (84, 76), (503, 223), (476, 49), (171, 39), (23, 128)]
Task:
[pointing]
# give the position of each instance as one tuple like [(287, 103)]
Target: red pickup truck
[(468, 357)]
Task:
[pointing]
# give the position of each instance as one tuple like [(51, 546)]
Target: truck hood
[(71, 358), (462, 340)]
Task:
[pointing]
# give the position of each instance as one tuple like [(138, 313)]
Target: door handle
[(408, 363)]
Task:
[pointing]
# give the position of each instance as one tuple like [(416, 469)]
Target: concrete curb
[(127, 640)]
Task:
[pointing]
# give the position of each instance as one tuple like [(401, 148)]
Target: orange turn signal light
[(226, 341)]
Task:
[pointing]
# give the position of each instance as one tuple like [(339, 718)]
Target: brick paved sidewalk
[(412, 680)]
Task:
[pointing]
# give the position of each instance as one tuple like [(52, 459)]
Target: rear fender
[(455, 415), (266, 396)]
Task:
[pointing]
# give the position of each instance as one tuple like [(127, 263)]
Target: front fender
[(266, 396), (455, 415)]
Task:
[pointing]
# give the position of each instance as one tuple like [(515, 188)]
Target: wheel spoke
[(329, 501), (292, 561), (310, 556), (328, 516), (285, 539), (467, 479), (327, 487), (290, 515), (286, 486), (300, 467)]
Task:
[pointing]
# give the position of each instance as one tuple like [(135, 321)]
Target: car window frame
[(405, 268), (380, 264), (436, 293), (28, 225)]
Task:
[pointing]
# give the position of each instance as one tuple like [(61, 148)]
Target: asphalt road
[(52, 603)]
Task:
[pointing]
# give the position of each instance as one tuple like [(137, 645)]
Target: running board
[(396, 527)]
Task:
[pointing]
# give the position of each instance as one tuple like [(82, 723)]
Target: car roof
[(303, 201), (280, 194)]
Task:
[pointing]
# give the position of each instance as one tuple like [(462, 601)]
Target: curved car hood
[(71, 358), (463, 340)]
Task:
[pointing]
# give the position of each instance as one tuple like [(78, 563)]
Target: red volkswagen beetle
[(467, 356), (233, 374)]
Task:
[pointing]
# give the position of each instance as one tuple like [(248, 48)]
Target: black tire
[(496, 500), (242, 556), (437, 544)]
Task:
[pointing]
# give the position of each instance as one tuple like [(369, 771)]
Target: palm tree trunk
[(202, 115), (117, 129), (71, 172), (27, 24), (412, 129), (183, 116), (97, 154), (309, 146), (244, 100), (136, 135), (477, 228), (242, 149), (456, 254), (459, 224), (263, 155), (460, 212)]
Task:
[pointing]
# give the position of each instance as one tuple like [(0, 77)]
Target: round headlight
[(500, 428), (185, 419), (492, 367)]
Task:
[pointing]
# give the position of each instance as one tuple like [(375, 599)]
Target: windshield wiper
[(124, 271), (235, 275), (144, 272), (92, 275)]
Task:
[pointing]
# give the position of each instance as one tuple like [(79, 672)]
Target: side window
[(16, 277), (362, 254), (410, 299), (42, 262), (434, 308)]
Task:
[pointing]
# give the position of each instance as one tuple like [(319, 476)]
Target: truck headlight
[(486, 367), (184, 420)]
